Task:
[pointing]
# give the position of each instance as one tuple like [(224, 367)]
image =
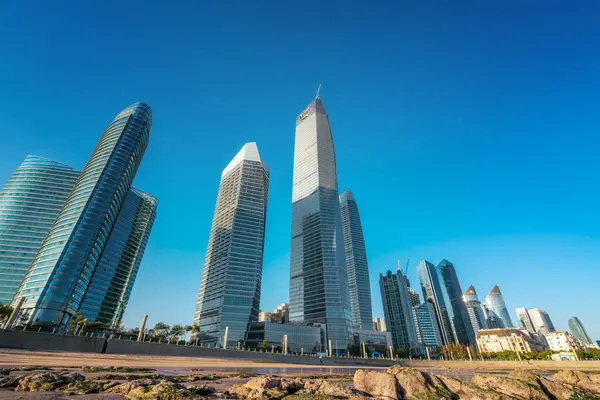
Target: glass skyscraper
[(229, 293), (495, 302), (356, 262), (432, 293), (474, 309), (61, 272), (457, 311), (398, 310), (426, 326), (578, 330), (112, 282), (318, 277), (535, 320), (29, 205)]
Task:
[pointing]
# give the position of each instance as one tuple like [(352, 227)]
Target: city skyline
[(396, 117)]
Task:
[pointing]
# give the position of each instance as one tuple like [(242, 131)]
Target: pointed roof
[(347, 195), (496, 290), (249, 152), (471, 291)]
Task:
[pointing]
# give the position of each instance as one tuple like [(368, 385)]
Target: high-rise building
[(415, 300), (426, 326), (319, 289), (457, 311), (492, 320), (397, 310), (474, 309), (578, 330), (495, 302), (231, 281), (432, 293), (356, 262), (535, 320), (61, 272), (379, 325), (111, 285), (280, 315), (29, 205)]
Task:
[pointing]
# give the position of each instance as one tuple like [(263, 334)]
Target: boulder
[(9, 381), (554, 390), (47, 381), (468, 391), (377, 384), (201, 389), (82, 387), (510, 386), (590, 383), (419, 385), (163, 390), (5, 371), (321, 386), (125, 388), (266, 387)]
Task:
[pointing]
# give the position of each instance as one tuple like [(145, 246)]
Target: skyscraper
[(29, 205), (398, 310), (415, 300), (356, 262), (112, 282), (432, 293), (457, 311), (231, 281), (578, 330), (426, 326), (495, 302), (535, 320), (61, 272), (492, 320), (318, 277), (474, 309)]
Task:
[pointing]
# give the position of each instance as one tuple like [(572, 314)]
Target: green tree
[(263, 346), (160, 330), (76, 319), (455, 351), (176, 332)]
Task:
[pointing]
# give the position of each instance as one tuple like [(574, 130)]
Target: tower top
[(318, 91)]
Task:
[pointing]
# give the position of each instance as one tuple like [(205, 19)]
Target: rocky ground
[(112, 383)]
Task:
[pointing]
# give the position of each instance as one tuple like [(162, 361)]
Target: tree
[(263, 346), (76, 319), (455, 351), (5, 311), (160, 330), (176, 332), (187, 329)]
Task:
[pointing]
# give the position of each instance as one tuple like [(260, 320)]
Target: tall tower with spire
[(476, 315), (319, 289), (230, 288), (495, 302)]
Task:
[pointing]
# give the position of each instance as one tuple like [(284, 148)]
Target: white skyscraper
[(231, 281), (535, 320), (319, 289)]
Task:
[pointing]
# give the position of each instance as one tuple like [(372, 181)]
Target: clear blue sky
[(467, 130)]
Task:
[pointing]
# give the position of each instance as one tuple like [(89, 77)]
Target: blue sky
[(467, 130)]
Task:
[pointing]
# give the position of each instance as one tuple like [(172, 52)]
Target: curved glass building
[(61, 272), (319, 290), (229, 293), (432, 293), (457, 311), (578, 330), (495, 302), (356, 263), (29, 205)]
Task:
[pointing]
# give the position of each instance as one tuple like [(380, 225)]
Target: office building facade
[(397, 310), (415, 300), (535, 320), (61, 271), (29, 204), (319, 289), (229, 293), (457, 311), (474, 309), (379, 325), (356, 262), (302, 339), (495, 302), (508, 339), (578, 330), (432, 293), (426, 326), (281, 315), (491, 319)]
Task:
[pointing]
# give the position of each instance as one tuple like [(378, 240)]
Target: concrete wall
[(48, 341)]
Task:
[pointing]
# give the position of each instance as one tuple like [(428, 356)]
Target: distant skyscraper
[(428, 331), (535, 320), (111, 284), (492, 320), (476, 314), (578, 330), (397, 310), (432, 293), (318, 277), (356, 262), (231, 281), (495, 302), (379, 325), (415, 300), (457, 311), (61, 272), (29, 205)]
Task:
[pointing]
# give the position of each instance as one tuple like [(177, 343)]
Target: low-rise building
[(307, 339), (281, 315), (563, 341), (508, 339), (375, 342)]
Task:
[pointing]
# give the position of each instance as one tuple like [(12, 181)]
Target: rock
[(266, 387), (5, 371), (321, 386), (306, 396), (125, 388), (9, 381), (510, 386), (164, 390), (377, 384), (468, 391), (201, 389), (418, 385), (590, 383), (82, 387), (47, 381)]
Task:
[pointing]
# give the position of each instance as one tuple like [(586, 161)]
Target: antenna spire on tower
[(318, 91)]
